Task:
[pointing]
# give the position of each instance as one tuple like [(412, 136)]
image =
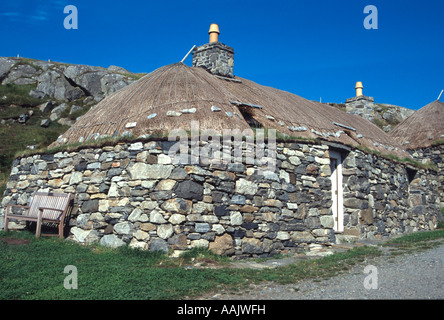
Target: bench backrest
[(53, 200)]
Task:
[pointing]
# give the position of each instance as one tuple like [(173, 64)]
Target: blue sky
[(315, 49)]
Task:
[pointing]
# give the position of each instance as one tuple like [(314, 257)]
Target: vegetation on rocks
[(39, 100)]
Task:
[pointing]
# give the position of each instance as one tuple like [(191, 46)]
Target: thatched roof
[(194, 94), (422, 128)]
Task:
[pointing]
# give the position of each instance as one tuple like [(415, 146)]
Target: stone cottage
[(287, 174), (422, 135)]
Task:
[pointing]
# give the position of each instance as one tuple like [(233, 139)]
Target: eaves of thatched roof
[(174, 95)]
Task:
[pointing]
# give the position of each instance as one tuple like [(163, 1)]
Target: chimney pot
[(214, 32), (358, 88)]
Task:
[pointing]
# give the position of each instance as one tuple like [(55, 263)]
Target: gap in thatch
[(248, 114), (349, 133), (411, 173)]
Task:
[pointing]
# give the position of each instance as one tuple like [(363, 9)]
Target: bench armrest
[(45, 208), (41, 209)]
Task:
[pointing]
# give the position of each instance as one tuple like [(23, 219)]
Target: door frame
[(337, 191)]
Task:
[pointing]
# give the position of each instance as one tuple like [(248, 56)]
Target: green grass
[(35, 271), (417, 237), (203, 255), (441, 223), (18, 95), (379, 123), (405, 160), (437, 142), (76, 146), (4, 177), (15, 138), (417, 241), (315, 268)]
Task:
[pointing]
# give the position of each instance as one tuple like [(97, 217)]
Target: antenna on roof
[(440, 95), (186, 56)]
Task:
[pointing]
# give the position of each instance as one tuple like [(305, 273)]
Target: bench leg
[(38, 227), (6, 223), (61, 230)]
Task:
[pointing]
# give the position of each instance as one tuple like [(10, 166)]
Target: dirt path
[(415, 275)]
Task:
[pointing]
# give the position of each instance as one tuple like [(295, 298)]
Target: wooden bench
[(45, 207)]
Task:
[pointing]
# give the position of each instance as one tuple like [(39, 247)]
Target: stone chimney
[(215, 57), (361, 104)]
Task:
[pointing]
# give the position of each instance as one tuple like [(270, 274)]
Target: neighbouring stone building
[(333, 176), (422, 135), (366, 107)]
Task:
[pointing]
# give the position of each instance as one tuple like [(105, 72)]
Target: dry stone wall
[(435, 155), (132, 194), (382, 198)]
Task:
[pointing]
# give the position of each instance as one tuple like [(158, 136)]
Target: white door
[(337, 191)]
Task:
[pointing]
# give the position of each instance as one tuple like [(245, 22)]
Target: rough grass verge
[(34, 269)]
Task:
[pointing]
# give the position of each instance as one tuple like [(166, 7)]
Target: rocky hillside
[(40, 99), (59, 90), (61, 81)]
